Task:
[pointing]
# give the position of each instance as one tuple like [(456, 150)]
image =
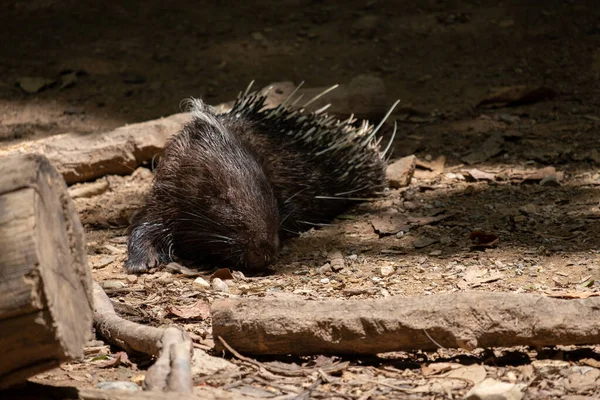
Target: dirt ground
[(83, 66)]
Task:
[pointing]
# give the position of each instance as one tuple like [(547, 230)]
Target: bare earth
[(116, 62)]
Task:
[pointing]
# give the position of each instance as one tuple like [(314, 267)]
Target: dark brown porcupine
[(229, 186)]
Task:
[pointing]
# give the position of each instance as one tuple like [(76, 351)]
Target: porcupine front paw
[(144, 247)]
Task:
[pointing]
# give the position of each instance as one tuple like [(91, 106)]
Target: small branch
[(172, 346)]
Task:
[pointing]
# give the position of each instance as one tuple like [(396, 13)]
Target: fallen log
[(465, 320), (172, 346), (84, 157), (45, 285)]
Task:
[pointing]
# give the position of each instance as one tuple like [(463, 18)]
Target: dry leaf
[(389, 224), (120, 358), (438, 368), (420, 221), (223, 274), (478, 175), (200, 310), (475, 373)]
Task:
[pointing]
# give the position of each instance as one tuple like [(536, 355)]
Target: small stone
[(387, 270), (219, 286), (34, 84), (131, 278), (113, 285), (435, 253), (118, 385), (238, 276), (492, 389), (204, 364), (259, 37), (323, 269), (352, 257), (324, 280), (400, 172), (201, 283)]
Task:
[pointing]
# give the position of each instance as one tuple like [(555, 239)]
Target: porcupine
[(230, 186)]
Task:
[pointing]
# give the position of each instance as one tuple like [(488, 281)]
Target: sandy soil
[(115, 62)]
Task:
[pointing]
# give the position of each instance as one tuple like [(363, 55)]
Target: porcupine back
[(229, 185), (317, 164)]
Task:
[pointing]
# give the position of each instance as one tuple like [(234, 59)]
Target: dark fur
[(228, 186)]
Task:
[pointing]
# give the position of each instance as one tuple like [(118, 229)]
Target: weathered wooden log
[(81, 158), (45, 283), (84, 157), (466, 320)]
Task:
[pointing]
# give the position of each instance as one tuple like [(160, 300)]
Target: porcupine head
[(210, 201)]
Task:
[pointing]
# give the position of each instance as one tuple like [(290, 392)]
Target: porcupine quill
[(230, 186)]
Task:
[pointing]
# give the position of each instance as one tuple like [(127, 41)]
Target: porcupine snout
[(262, 252)]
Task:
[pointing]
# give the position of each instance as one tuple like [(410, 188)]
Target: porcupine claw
[(144, 245)]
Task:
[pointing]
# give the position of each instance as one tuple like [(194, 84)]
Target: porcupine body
[(229, 186)]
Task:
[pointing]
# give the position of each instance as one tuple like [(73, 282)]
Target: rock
[(492, 389), (582, 379), (201, 283), (34, 84), (387, 270), (113, 285), (400, 172), (204, 364), (219, 286)]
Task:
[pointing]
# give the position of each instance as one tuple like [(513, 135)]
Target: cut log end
[(45, 290)]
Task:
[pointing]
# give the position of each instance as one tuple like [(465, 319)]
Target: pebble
[(201, 283), (113, 285), (219, 286), (324, 280), (387, 270)]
